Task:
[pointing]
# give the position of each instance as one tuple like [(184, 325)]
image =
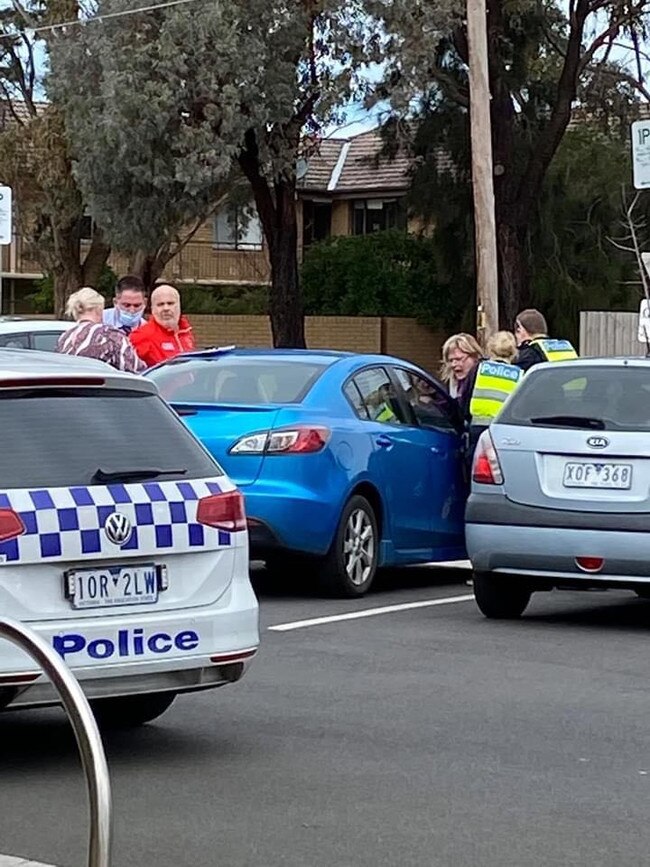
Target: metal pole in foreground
[(81, 717), (487, 277)]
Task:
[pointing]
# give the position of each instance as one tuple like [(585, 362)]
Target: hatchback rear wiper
[(581, 421), (102, 476)]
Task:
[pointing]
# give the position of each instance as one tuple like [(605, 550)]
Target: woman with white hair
[(91, 338)]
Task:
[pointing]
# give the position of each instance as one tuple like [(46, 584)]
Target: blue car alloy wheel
[(350, 565)]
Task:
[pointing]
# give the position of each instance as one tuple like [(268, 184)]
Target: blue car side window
[(379, 400), (354, 396), (430, 406)]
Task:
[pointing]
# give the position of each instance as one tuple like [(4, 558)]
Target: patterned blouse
[(95, 340)]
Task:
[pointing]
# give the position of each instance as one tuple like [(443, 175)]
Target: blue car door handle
[(384, 442), (435, 450)]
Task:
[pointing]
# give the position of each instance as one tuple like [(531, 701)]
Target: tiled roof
[(17, 112), (355, 165)]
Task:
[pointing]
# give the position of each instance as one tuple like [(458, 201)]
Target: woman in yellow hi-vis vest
[(496, 379), (535, 346)]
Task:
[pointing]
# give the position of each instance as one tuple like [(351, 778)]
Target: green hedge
[(384, 274)]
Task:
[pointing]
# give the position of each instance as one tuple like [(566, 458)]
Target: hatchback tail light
[(590, 564), (486, 468), (301, 440), (11, 525), (223, 511)]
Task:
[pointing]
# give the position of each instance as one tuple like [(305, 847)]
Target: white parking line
[(369, 612)]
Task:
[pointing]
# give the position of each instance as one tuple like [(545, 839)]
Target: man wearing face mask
[(127, 312)]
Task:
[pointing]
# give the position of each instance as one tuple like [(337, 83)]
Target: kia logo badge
[(597, 442), (118, 529)]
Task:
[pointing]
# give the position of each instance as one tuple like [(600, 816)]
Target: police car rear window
[(582, 398), (62, 437)]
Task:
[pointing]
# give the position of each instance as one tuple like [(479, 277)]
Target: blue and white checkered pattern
[(68, 523)]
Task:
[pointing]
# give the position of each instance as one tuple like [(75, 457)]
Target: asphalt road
[(427, 736)]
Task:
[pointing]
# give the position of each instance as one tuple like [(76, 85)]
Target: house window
[(238, 227), (376, 215), (317, 221)]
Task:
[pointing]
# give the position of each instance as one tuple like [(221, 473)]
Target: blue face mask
[(129, 320)]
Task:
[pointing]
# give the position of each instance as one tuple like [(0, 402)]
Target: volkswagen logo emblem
[(118, 529), (597, 442)]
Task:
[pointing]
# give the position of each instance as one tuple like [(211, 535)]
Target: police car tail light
[(11, 525), (223, 511), (296, 441), (486, 469)]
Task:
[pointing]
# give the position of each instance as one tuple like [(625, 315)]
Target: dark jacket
[(464, 397), (529, 355)]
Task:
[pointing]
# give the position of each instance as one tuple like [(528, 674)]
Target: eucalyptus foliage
[(164, 107)]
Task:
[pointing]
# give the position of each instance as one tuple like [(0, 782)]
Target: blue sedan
[(350, 461)]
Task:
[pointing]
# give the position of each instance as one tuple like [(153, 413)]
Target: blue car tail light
[(300, 440)]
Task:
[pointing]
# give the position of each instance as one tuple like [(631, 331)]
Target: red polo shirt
[(155, 343)]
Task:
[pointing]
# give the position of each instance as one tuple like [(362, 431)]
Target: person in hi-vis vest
[(535, 346), (496, 379)]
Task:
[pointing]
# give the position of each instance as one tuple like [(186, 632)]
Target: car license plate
[(596, 475), (109, 586)]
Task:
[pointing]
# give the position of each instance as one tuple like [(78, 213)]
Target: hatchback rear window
[(242, 381), (583, 398), (63, 437)]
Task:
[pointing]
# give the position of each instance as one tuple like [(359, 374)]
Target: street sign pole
[(6, 228)]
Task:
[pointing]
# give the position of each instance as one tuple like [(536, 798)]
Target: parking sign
[(640, 131), (5, 215)]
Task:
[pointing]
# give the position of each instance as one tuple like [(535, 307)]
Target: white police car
[(121, 541)]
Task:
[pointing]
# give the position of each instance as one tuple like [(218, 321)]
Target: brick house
[(346, 187)]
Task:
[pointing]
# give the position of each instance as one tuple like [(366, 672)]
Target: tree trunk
[(276, 207), (67, 275), (148, 267), (513, 268), (95, 260), (285, 295)]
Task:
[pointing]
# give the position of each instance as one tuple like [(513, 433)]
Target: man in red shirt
[(167, 333)]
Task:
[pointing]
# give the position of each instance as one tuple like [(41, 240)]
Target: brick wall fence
[(404, 338)]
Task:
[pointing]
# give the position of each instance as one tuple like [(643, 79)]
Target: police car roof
[(20, 364), (17, 325), (594, 361)]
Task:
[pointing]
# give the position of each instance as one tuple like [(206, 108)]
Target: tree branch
[(249, 162), (609, 35), (549, 141)]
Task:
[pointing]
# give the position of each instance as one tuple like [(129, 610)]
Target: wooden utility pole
[(487, 276)]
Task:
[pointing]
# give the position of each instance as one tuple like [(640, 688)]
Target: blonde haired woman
[(461, 356), (90, 338), (502, 346)]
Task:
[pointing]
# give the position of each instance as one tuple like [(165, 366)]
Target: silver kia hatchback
[(561, 486)]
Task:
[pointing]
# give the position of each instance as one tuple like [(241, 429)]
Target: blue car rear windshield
[(237, 381), (581, 397)]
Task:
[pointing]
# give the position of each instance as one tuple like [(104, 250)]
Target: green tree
[(35, 157), (570, 258), (172, 101), (544, 59)]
